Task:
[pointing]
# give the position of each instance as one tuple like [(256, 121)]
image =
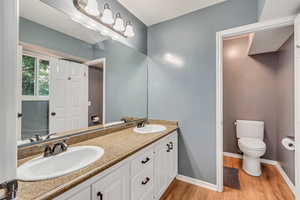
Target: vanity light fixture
[(129, 30), (92, 8), (89, 8), (107, 15), (119, 24)]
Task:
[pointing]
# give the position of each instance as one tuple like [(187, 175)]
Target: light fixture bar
[(79, 5)]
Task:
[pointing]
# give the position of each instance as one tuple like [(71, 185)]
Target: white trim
[(197, 182), (103, 61), (269, 162), (266, 25), (286, 178), (34, 98), (9, 18), (297, 105)]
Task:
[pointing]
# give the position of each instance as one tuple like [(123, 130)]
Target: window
[(35, 77)]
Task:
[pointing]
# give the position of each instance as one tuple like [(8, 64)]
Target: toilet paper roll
[(288, 143), (95, 119)]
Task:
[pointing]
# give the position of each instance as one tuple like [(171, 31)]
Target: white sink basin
[(150, 128), (55, 166)]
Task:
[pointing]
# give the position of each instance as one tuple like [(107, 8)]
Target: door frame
[(220, 36), (93, 62), (9, 38)]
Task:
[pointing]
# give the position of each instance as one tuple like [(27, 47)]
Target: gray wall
[(260, 7), (285, 109), (188, 93), (126, 81), (95, 93), (37, 34), (250, 91), (35, 118)]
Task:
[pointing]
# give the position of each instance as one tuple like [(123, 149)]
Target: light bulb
[(119, 24), (92, 8), (129, 30), (107, 15)]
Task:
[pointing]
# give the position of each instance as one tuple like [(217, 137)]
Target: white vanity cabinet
[(113, 186), (143, 176)]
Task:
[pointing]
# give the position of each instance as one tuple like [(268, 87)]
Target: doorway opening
[(255, 86), (96, 91)]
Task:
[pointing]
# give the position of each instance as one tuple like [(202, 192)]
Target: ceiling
[(279, 8), (50, 17), (155, 11)]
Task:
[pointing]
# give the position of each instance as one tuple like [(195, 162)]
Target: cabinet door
[(161, 168), (82, 195), (173, 157), (114, 186)]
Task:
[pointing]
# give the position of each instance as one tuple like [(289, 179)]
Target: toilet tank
[(251, 129)]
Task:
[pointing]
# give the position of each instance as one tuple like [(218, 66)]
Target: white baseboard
[(286, 178), (197, 182), (270, 162), (235, 155)]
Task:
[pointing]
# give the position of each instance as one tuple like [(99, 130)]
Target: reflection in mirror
[(74, 81)]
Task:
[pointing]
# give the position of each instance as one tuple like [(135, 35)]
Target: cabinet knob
[(146, 160), (53, 113), (298, 46), (169, 147), (146, 181), (100, 195), (20, 115)]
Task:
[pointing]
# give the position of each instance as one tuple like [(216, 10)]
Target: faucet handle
[(48, 151)]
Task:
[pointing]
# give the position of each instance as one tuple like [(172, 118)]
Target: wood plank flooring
[(269, 186)]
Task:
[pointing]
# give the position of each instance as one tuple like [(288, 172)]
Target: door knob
[(100, 195)]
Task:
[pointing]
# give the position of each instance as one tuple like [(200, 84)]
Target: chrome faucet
[(141, 124), (56, 149)]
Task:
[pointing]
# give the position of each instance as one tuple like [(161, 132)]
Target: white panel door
[(58, 96), (114, 186), (68, 96), (77, 96), (297, 104)]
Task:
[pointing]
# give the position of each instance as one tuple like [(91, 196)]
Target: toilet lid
[(252, 143)]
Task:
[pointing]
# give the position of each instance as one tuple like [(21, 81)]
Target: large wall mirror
[(72, 78)]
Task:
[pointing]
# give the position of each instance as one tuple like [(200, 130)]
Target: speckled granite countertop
[(117, 145)]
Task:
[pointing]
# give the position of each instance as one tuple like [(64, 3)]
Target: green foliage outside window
[(44, 78), (28, 68), (35, 76)]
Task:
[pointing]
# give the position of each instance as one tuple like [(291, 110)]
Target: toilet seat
[(252, 143)]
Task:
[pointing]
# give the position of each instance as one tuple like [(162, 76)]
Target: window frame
[(36, 96)]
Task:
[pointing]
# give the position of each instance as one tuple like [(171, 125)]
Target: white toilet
[(250, 136)]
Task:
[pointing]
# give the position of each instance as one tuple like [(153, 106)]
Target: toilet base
[(251, 165)]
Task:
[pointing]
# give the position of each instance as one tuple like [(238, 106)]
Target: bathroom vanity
[(134, 166)]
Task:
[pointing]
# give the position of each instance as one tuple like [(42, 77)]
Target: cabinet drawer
[(141, 162), (84, 194), (142, 183)]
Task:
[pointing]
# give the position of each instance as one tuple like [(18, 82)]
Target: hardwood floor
[(269, 186)]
